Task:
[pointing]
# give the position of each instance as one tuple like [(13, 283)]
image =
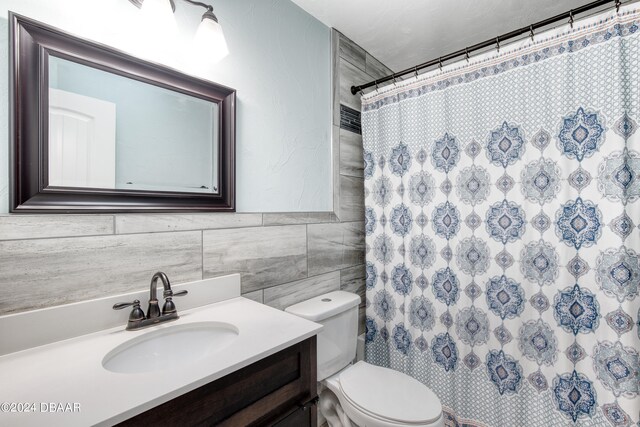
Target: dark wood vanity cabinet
[(279, 390)]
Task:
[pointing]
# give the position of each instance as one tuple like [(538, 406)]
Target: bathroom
[(347, 214)]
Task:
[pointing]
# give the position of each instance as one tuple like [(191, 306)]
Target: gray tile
[(335, 167), (257, 296), (335, 70), (351, 157), (147, 223), (43, 273), (353, 53), (352, 279), (264, 256), (335, 246), (283, 296), (16, 227), (349, 76), (376, 69), (298, 218), (351, 198)]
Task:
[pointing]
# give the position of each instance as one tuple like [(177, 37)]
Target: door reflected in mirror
[(112, 132)]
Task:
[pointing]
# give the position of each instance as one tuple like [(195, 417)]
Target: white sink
[(170, 347)]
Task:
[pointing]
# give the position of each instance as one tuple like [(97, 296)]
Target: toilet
[(361, 394)]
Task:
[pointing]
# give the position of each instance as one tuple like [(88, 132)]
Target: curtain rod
[(495, 41)]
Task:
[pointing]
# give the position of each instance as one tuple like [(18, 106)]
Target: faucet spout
[(154, 308)]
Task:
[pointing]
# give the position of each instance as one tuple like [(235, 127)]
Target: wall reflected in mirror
[(113, 132)]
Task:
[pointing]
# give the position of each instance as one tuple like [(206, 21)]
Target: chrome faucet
[(137, 319)]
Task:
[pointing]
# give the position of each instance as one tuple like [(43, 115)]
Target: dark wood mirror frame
[(31, 44)]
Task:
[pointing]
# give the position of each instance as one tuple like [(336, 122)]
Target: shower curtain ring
[(376, 83), (532, 33), (498, 44), (618, 3), (466, 53), (394, 78), (440, 63), (415, 71), (571, 18)]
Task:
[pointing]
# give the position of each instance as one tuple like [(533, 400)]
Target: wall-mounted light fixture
[(209, 40)]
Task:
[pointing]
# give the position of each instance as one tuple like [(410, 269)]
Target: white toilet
[(362, 394)]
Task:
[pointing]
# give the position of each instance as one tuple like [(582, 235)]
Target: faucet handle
[(169, 307), (121, 305), (136, 316), (169, 293)]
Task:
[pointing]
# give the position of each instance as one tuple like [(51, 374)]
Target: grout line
[(234, 227), (79, 236), (300, 280)]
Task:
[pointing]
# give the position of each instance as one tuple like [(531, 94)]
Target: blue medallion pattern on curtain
[(502, 224)]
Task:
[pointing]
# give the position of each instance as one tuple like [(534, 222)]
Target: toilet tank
[(338, 312)]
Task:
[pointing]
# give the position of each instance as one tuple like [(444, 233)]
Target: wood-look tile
[(351, 198), (17, 227), (148, 223), (283, 296), (353, 53), (376, 69), (298, 218), (264, 256), (48, 272), (335, 167), (257, 296), (351, 75), (351, 154), (335, 246), (352, 279)]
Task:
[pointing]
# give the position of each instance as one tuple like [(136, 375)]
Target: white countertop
[(71, 371)]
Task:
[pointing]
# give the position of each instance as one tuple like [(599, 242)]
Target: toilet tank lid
[(324, 306)]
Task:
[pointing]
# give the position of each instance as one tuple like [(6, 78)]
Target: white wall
[(279, 64)]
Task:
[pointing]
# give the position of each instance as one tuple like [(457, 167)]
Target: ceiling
[(403, 33)]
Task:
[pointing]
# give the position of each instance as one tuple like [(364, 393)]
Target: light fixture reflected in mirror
[(209, 42)]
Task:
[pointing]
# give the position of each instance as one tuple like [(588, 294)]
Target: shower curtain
[(502, 227)]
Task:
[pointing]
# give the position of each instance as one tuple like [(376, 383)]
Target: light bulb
[(209, 44), (158, 30)]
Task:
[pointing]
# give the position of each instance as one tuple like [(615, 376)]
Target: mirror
[(94, 129), (109, 131)]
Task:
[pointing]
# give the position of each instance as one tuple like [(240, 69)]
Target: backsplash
[(283, 258), (51, 260)]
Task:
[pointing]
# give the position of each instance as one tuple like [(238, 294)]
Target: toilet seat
[(389, 396)]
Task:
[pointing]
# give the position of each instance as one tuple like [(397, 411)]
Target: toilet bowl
[(373, 396), (362, 394)]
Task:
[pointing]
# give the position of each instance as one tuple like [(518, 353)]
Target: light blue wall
[(279, 64)]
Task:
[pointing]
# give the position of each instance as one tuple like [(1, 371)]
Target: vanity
[(225, 361), (278, 390)]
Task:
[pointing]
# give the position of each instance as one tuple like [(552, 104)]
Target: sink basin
[(170, 347)]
